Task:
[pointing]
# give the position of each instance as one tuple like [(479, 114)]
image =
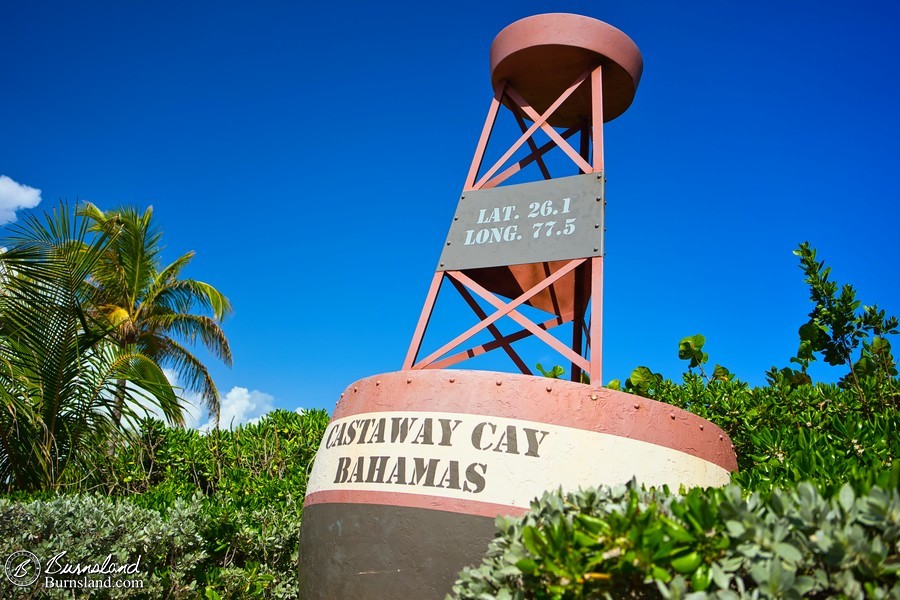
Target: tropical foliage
[(150, 307), (167, 548), (627, 542), (814, 510), (214, 515), (58, 374)]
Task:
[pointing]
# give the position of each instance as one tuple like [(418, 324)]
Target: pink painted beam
[(532, 145), (539, 120), (516, 316), (596, 367), (596, 334), (501, 311), (546, 128), (424, 318), (597, 116), (479, 312), (493, 345), (518, 166), (489, 122)]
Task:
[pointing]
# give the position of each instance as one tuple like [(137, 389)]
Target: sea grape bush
[(629, 542), (784, 435), (838, 325), (252, 464)]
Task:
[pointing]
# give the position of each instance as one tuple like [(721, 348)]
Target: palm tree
[(59, 373), (151, 308)]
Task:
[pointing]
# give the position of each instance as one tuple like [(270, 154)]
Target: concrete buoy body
[(415, 466)]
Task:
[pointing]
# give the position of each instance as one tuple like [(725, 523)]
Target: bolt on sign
[(535, 222)]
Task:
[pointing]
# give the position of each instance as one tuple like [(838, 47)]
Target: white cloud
[(238, 407), (15, 196), (241, 405)]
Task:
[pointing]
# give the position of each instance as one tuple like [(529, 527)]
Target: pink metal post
[(485, 134), (597, 117), (596, 335), (596, 371), (424, 318)]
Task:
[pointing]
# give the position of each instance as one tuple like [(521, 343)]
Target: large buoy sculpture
[(416, 464)]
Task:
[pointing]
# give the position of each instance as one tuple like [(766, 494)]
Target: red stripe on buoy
[(542, 400), (454, 505)]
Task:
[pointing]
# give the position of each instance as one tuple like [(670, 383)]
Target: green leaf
[(555, 373), (527, 565), (678, 533), (701, 578), (689, 345), (584, 540), (787, 552), (687, 563), (719, 576), (735, 528), (534, 541), (720, 373), (846, 497), (592, 524)]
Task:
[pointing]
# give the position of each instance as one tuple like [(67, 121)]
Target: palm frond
[(193, 329), (192, 373), (58, 365)]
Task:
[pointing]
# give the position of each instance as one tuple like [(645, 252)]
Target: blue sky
[(312, 154)]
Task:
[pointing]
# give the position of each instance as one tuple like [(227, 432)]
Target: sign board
[(558, 219)]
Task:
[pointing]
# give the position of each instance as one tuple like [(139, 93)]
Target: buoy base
[(376, 552), (415, 466)]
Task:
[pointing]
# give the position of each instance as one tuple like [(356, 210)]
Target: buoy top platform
[(541, 56)]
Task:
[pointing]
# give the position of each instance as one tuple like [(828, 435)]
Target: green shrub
[(90, 528), (803, 451), (813, 510), (244, 489), (253, 553), (252, 465), (627, 542), (782, 436)]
